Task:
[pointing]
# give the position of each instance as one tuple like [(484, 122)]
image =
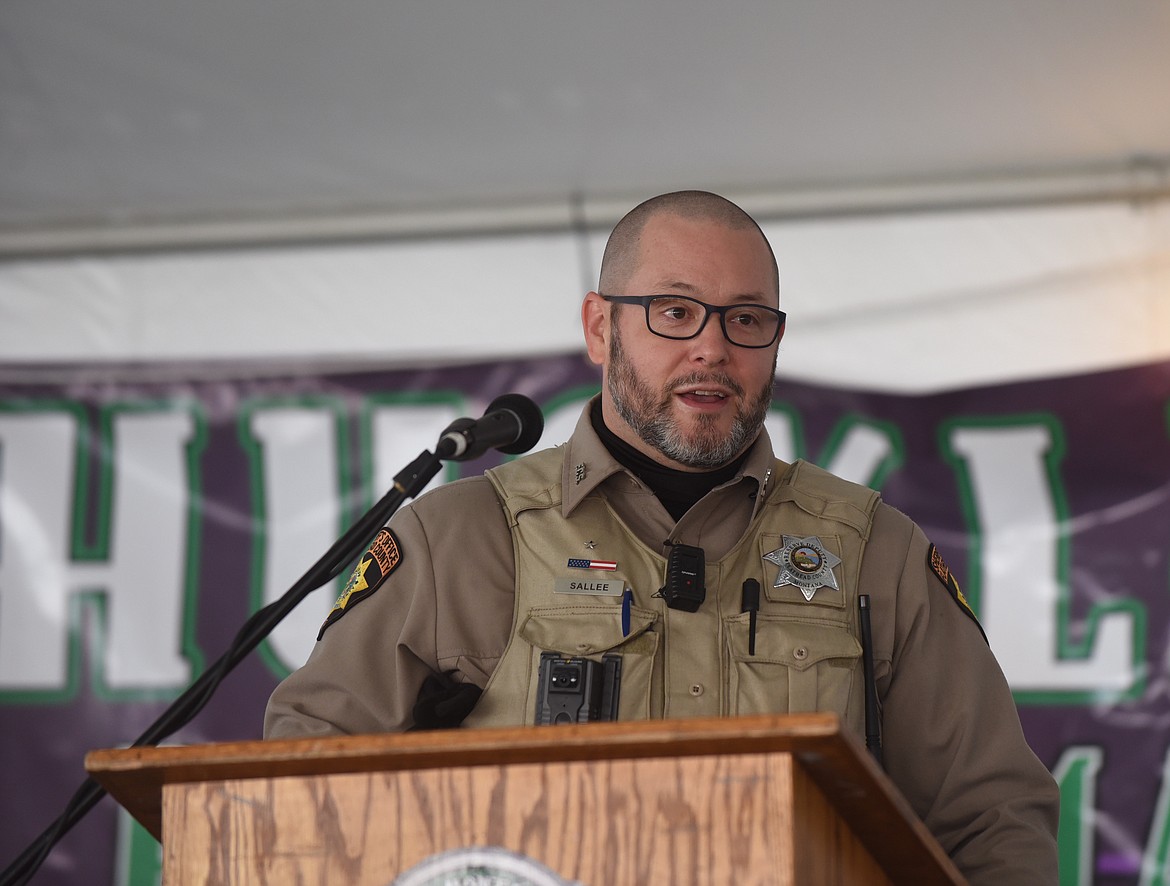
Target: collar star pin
[(804, 563)]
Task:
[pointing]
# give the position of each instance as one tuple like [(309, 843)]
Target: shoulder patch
[(380, 559), (942, 572)]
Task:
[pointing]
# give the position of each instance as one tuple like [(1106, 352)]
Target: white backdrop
[(915, 302)]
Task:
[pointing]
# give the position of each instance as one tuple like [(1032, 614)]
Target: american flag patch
[(608, 565)]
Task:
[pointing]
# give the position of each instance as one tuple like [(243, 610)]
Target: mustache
[(698, 378)]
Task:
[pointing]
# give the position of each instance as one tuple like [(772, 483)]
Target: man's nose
[(711, 345)]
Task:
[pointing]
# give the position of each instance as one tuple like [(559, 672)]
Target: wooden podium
[(749, 800)]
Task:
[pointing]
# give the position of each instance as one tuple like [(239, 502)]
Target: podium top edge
[(594, 741)]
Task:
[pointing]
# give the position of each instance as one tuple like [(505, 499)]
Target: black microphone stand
[(407, 484)]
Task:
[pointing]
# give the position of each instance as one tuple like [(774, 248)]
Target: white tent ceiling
[(119, 112), (942, 179)]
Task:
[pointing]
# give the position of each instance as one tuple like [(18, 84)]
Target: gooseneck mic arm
[(513, 424)]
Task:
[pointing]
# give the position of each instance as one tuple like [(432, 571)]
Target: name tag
[(589, 586)]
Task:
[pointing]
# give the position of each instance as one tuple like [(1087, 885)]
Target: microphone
[(512, 424)]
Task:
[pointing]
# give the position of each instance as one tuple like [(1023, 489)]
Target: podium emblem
[(480, 864)]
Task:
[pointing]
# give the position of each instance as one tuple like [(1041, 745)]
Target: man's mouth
[(704, 395)]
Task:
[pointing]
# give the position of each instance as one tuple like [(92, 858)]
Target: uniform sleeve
[(952, 738), (446, 607)]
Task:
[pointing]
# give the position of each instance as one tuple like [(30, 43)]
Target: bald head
[(624, 246)]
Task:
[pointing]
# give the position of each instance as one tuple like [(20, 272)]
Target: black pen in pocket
[(751, 603)]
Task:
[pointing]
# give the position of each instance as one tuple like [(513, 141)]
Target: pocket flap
[(583, 630), (794, 644)]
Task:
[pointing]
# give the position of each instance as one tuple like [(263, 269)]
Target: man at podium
[(663, 563)]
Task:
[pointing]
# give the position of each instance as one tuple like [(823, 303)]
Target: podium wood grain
[(760, 800)]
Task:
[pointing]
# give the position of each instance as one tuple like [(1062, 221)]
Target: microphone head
[(530, 417)]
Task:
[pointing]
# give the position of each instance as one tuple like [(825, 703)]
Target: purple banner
[(146, 512)]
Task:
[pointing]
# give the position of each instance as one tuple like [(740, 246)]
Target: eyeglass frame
[(721, 310)]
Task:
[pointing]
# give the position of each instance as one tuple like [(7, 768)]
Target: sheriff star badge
[(804, 563)]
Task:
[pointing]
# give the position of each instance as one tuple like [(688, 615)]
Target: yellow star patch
[(380, 559), (357, 581)]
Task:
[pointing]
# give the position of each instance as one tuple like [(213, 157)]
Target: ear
[(595, 325)]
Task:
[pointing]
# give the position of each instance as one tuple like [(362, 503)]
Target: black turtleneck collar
[(677, 490)]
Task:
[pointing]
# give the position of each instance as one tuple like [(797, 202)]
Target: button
[(696, 689), (800, 653), (582, 647)]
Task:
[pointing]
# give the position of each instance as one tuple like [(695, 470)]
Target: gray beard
[(650, 417)]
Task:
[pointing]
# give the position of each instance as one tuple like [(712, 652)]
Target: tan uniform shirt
[(951, 736)]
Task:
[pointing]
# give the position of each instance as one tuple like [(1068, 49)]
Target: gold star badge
[(357, 581)]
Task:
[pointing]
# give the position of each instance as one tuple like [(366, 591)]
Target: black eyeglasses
[(681, 317)]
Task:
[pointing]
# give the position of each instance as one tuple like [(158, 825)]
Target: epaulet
[(822, 494), (533, 481)]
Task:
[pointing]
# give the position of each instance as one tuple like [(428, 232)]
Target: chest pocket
[(799, 666), (591, 632)]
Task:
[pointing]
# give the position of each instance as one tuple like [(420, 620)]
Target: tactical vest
[(807, 655)]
